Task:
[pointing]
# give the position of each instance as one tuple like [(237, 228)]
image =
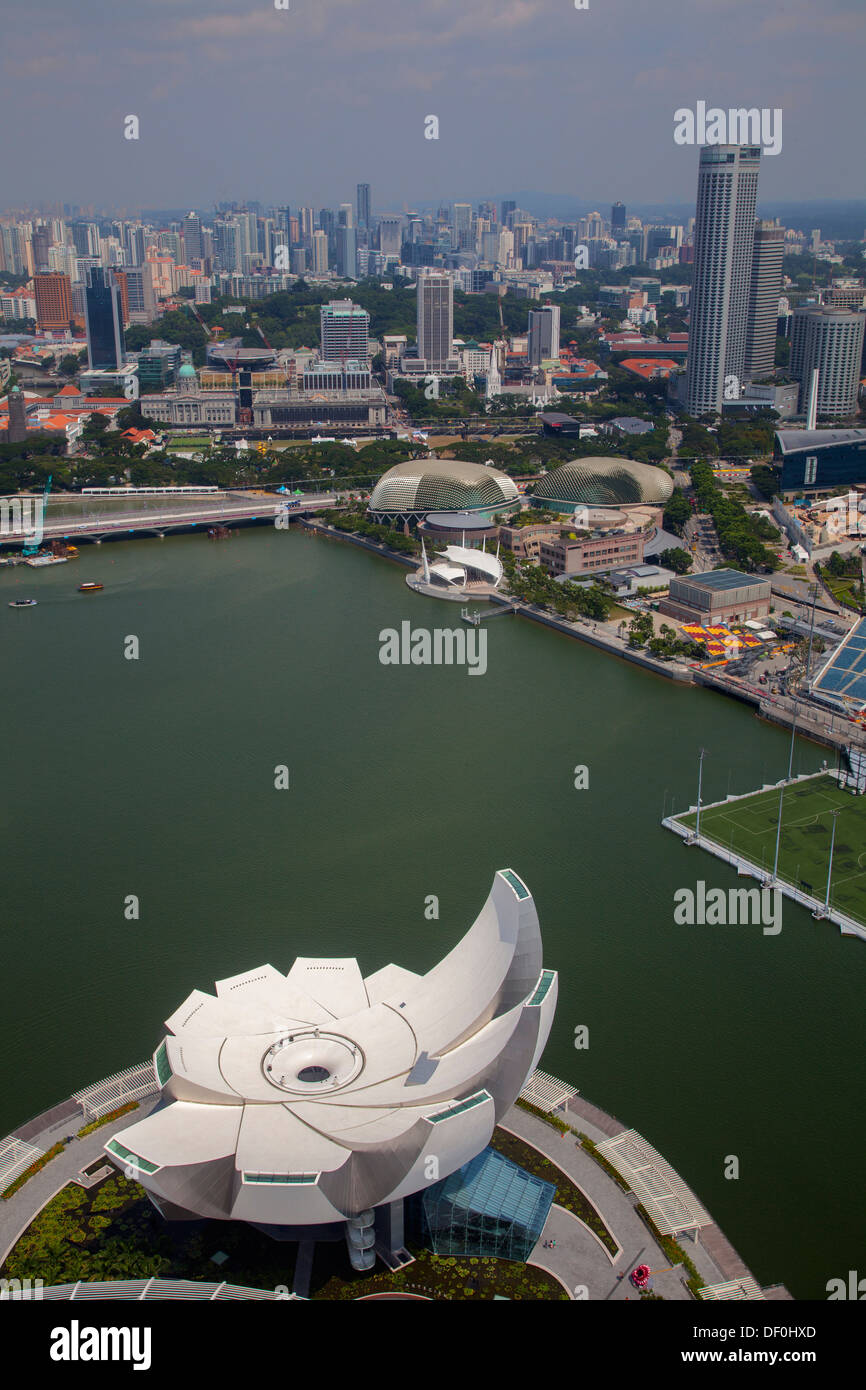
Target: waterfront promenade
[(578, 1259)]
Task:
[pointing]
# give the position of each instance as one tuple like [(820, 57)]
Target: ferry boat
[(90, 587), (23, 603)]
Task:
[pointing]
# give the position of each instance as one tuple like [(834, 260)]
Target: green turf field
[(748, 827)]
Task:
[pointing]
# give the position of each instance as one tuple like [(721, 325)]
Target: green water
[(155, 777)]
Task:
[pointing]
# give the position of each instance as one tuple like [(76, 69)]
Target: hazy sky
[(237, 99)]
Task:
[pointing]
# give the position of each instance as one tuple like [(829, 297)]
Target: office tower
[(346, 252), (227, 244), (391, 235), (617, 219), (345, 215), (508, 206), (462, 224), (363, 200), (345, 329), (724, 234), (498, 246), (543, 335), (141, 299), (765, 288), (120, 281), (193, 250), (435, 319), (319, 253), (41, 242), (830, 341), (307, 219), (102, 311)]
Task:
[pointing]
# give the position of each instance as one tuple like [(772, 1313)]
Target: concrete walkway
[(19, 1210), (577, 1258)]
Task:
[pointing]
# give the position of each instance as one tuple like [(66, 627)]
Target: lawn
[(748, 827)]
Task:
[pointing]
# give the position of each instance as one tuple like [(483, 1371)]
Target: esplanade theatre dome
[(602, 482), (409, 491)]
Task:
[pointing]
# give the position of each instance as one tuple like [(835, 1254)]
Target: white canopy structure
[(312, 1097)]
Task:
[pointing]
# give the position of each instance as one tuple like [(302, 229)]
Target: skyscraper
[(507, 206), (319, 264), (363, 204), (53, 291), (543, 334), (617, 219), (103, 317), (346, 251), (41, 242), (462, 225), (390, 235), (764, 290), (831, 342), (192, 238), (345, 331), (435, 319), (724, 234)]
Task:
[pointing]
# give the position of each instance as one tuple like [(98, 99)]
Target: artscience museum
[(314, 1103)]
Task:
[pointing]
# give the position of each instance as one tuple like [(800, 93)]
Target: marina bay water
[(156, 778)]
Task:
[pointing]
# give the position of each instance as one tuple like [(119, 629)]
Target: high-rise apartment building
[(41, 242), (345, 331), (435, 319), (141, 299), (830, 341), (307, 219), (723, 240), (53, 292), (543, 334), (765, 288), (104, 321), (227, 244)]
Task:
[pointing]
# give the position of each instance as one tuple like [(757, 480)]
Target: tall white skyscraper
[(543, 335), (724, 235), (390, 235), (435, 319)]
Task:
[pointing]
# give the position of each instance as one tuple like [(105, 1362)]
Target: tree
[(68, 364), (676, 559)]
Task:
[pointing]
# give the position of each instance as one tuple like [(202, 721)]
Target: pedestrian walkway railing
[(132, 1084), (734, 1288), (15, 1156), (143, 1290)]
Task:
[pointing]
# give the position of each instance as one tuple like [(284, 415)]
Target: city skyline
[(362, 85)]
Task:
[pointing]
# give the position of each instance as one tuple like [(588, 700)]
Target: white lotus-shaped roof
[(304, 1098)]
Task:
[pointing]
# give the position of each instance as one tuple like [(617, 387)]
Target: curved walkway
[(577, 1259)]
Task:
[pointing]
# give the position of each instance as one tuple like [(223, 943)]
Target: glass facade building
[(490, 1206)]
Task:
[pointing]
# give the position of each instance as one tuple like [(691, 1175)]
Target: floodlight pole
[(793, 732), (811, 632), (700, 780), (830, 866), (778, 835)]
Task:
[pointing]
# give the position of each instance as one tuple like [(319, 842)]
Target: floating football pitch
[(748, 827)]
